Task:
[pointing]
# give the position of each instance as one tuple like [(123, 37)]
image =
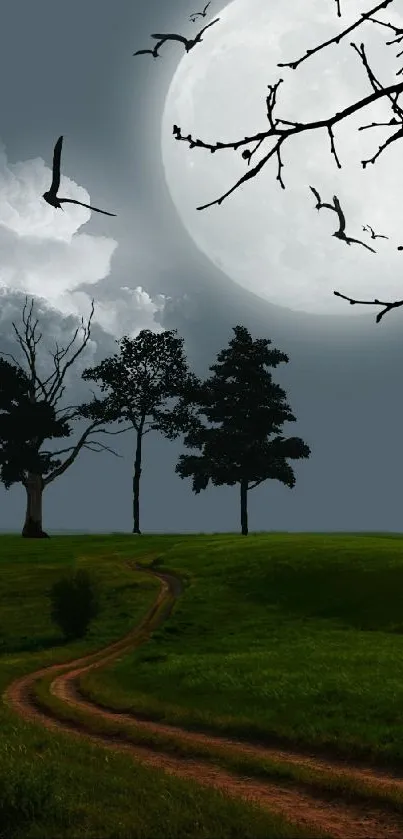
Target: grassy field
[(286, 638), (53, 785)]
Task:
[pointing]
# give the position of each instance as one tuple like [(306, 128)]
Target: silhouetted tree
[(247, 408), (22, 421), (271, 142), (29, 416), (148, 372)]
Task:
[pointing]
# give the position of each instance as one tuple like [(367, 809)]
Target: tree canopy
[(248, 410), (144, 382)]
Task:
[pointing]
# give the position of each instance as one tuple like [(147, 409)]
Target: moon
[(271, 241)]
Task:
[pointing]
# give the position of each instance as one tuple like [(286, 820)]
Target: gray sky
[(145, 271)]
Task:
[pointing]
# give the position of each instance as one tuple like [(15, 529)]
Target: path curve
[(338, 819)]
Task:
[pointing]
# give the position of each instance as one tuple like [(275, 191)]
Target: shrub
[(74, 603)]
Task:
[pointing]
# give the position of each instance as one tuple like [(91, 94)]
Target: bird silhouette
[(52, 197), (188, 43), (369, 229), (341, 232), (154, 52), (194, 15)]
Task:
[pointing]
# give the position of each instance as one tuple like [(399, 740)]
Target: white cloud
[(44, 254)]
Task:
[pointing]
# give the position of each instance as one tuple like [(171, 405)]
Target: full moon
[(271, 241)]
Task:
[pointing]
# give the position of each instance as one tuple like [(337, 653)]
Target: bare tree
[(281, 131), (22, 459)]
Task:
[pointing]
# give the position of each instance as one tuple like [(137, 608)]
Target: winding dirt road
[(334, 818)]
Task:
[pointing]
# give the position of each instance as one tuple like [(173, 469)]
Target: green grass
[(54, 785), (284, 638), (316, 781)]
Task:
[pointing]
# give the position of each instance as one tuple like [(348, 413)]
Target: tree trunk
[(136, 484), (244, 507), (33, 517)]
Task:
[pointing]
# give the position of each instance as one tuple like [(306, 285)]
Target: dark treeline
[(233, 419)]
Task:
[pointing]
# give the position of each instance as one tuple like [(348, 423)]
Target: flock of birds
[(188, 43), (341, 232), (54, 200), (51, 196)]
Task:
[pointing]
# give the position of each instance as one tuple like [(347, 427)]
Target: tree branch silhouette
[(336, 38), (29, 416), (398, 40), (282, 130), (283, 134), (395, 304)]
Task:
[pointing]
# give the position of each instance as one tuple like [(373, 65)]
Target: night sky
[(67, 68)]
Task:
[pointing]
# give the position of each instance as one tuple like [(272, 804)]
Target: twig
[(388, 305), (282, 135), (337, 38)]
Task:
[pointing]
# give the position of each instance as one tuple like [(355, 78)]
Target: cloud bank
[(45, 254)]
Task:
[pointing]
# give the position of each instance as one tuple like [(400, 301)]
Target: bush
[(75, 602)]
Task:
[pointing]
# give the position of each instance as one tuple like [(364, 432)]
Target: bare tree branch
[(337, 38), (377, 86), (97, 442), (281, 130), (70, 459), (50, 389), (56, 389), (113, 433), (397, 40), (255, 484), (384, 23), (28, 343), (282, 134), (388, 305), (101, 447)]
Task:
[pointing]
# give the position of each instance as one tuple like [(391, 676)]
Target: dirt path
[(336, 818)]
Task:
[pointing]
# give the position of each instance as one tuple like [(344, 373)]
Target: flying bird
[(194, 15), (369, 229), (154, 52), (52, 197), (341, 232), (187, 43)]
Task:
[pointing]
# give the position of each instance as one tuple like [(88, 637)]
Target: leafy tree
[(29, 415), (143, 381), (260, 148), (247, 408)]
